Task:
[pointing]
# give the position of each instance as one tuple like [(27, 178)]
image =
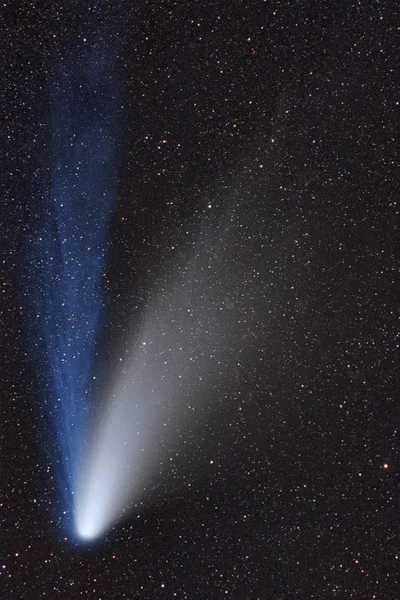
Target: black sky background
[(289, 111)]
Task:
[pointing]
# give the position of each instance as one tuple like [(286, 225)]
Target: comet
[(107, 445)]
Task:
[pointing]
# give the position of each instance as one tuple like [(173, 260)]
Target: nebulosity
[(184, 346)]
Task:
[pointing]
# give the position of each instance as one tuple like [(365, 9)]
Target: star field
[(252, 259)]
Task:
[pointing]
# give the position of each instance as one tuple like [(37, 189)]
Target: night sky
[(235, 204)]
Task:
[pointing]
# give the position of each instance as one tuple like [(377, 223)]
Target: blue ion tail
[(67, 253)]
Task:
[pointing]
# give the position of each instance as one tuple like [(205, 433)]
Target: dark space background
[(287, 488)]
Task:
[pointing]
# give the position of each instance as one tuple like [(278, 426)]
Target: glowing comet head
[(93, 508), (87, 530), (89, 515), (110, 474)]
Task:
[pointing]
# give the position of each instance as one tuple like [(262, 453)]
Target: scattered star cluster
[(248, 282)]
